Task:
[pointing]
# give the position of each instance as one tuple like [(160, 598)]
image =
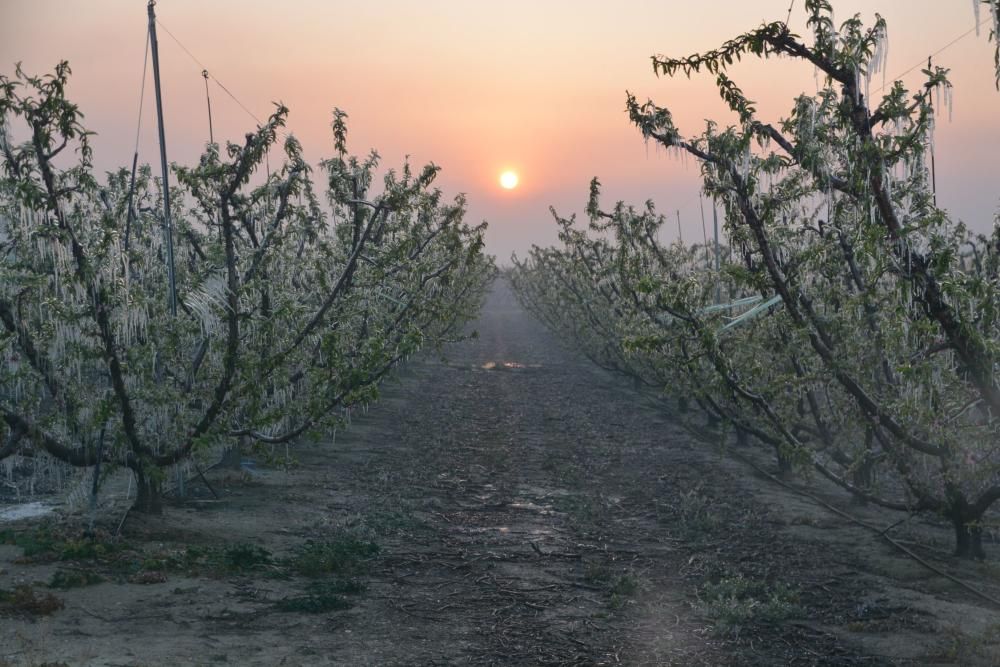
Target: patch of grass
[(338, 586), (25, 601), (239, 558), (32, 543), (47, 543), (343, 554), (390, 521), (191, 559), (565, 471), (245, 558), (146, 577), (736, 602), (621, 586), (696, 513), (66, 579), (580, 509), (596, 572), (312, 604), (322, 596), (623, 589), (86, 549), (625, 585), (959, 647)]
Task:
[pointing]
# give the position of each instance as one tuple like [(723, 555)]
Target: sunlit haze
[(536, 88), (509, 180)]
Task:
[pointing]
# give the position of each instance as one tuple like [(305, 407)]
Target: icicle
[(930, 133), (884, 59), (995, 11), (745, 166)]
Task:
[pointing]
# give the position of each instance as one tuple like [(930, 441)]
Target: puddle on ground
[(541, 509), (542, 492), (532, 531), (507, 365), (25, 511)]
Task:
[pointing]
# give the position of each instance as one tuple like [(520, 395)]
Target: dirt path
[(510, 505)]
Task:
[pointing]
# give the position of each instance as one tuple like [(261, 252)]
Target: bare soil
[(510, 504)]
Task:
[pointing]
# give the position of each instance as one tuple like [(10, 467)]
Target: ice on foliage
[(207, 299), (879, 59), (132, 324)]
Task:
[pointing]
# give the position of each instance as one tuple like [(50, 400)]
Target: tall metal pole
[(715, 225), (168, 233), (680, 236), (211, 136), (704, 234), (933, 120)]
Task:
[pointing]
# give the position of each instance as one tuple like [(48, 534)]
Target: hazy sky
[(478, 87)]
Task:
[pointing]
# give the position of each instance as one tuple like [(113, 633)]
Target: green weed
[(322, 596), (696, 513), (45, 543), (960, 647), (735, 602), (245, 558), (66, 579), (621, 587), (25, 601), (343, 554)]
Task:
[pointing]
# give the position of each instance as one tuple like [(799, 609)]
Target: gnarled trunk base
[(149, 496), (968, 540)]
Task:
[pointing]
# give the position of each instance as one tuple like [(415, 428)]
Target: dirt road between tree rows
[(509, 504)]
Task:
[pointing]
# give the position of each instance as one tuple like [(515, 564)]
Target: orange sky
[(480, 87)]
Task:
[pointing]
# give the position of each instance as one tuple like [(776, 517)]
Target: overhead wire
[(212, 76), (943, 48), (205, 72), (135, 155), (142, 92)]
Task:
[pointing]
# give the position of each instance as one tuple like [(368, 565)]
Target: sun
[(508, 180)]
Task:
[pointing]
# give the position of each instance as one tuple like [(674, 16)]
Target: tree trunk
[(149, 497), (232, 458), (968, 538), (863, 478), (864, 472), (784, 464)]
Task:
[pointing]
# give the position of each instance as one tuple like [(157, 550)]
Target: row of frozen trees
[(285, 314), (852, 326)]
